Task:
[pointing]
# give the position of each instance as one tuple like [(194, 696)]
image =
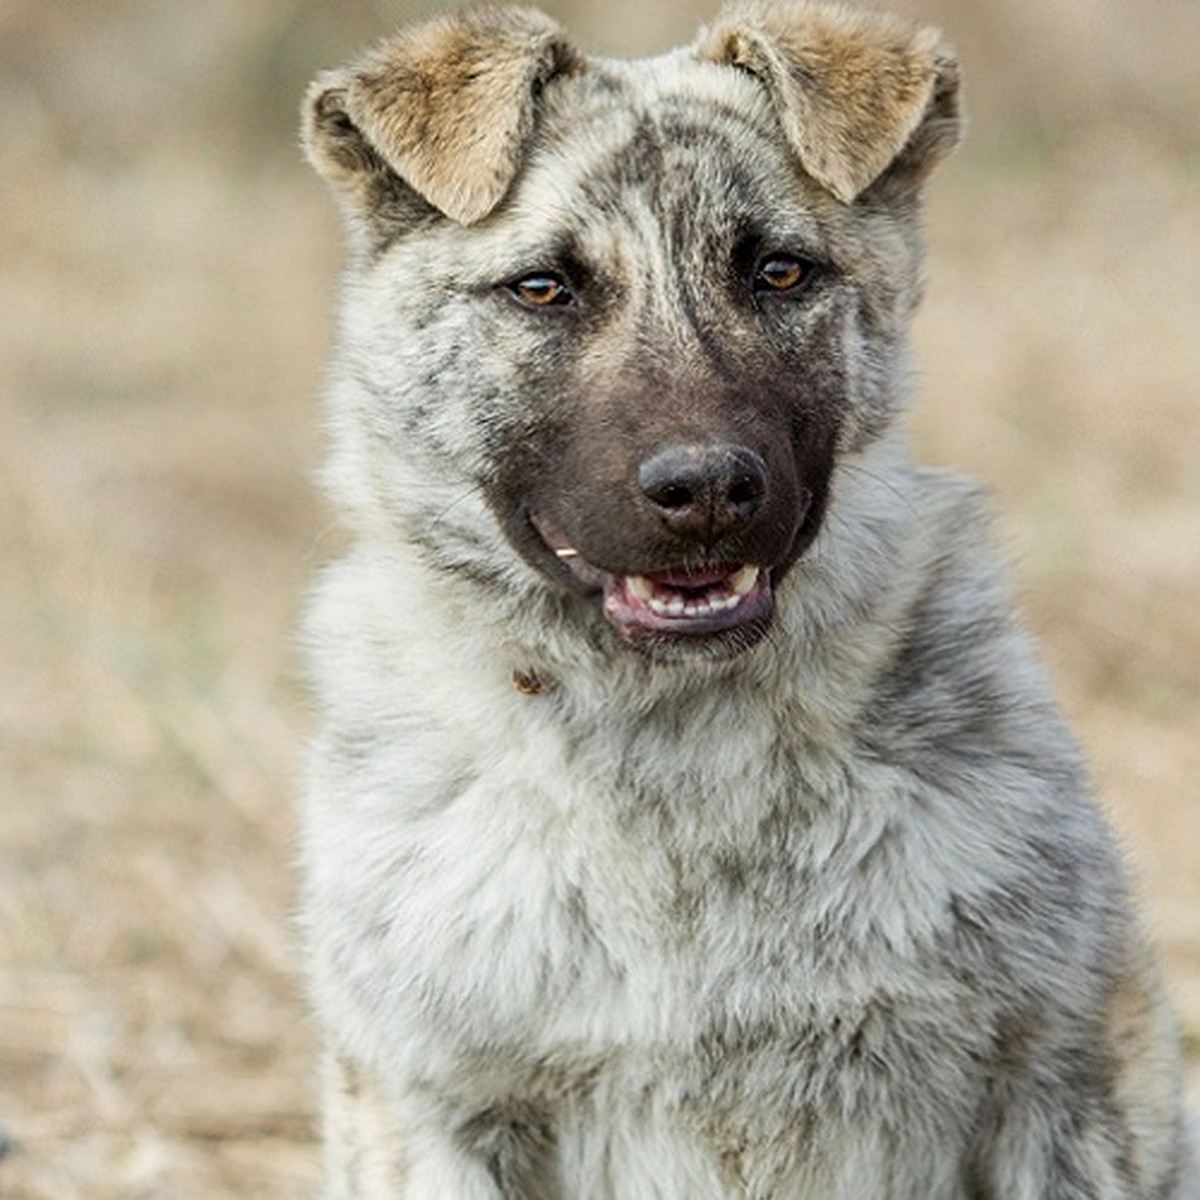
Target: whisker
[(883, 482), (463, 496)]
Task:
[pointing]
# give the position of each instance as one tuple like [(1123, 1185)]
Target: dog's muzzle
[(686, 560)]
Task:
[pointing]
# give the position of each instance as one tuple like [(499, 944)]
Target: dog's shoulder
[(964, 675)]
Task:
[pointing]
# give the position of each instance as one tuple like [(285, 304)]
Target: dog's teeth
[(744, 580), (640, 586), (718, 599), (567, 552)]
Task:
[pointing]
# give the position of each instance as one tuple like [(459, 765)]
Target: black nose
[(704, 491)]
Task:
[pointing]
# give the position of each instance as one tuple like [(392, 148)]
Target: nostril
[(671, 495), (747, 489), (673, 478)]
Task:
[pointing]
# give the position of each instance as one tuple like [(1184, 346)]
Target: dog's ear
[(447, 108), (863, 97)]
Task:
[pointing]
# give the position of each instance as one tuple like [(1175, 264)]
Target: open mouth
[(677, 602), (698, 601)]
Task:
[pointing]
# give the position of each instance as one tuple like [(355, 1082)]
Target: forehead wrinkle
[(639, 161), (617, 114), (547, 196)]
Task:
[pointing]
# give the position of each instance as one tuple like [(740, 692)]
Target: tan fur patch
[(851, 87), (449, 105)]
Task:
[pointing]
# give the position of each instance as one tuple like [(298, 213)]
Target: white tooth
[(567, 552), (658, 606), (675, 606), (639, 586), (744, 580)]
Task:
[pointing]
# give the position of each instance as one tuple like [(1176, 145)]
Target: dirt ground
[(166, 270)]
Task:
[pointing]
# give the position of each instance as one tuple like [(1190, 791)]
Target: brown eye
[(541, 291), (784, 273)]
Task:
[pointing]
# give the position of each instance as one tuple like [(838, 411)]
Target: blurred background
[(167, 267)]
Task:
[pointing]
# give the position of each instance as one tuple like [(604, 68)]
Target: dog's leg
[(1077, 1147), (375, 1150), (361, 1144), (501, 1153)]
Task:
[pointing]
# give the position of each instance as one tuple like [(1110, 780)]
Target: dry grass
[(165, 272)]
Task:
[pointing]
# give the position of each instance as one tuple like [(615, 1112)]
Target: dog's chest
[(731, 916)]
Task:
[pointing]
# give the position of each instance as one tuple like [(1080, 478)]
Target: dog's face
[(631, 314)]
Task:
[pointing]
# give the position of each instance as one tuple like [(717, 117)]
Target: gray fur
[(828, 913)]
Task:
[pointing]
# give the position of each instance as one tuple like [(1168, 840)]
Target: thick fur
[(822, 909)]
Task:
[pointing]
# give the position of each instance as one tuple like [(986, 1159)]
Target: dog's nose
[(704, 490)]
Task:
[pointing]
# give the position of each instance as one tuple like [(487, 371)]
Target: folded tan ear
[(857, 92), (448, 106)]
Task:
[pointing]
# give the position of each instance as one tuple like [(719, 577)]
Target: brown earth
[(166, 270)]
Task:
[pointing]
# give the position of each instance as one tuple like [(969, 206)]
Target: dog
[(688, 815)]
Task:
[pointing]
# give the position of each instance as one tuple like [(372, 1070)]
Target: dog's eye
[(541, 290), (785, 274)]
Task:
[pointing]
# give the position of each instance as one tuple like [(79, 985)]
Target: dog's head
[(631, 315)]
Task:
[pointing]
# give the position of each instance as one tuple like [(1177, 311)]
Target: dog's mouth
[(691, 602), (676, 603)]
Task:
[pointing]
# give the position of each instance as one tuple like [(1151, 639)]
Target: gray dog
[(689, 817)]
